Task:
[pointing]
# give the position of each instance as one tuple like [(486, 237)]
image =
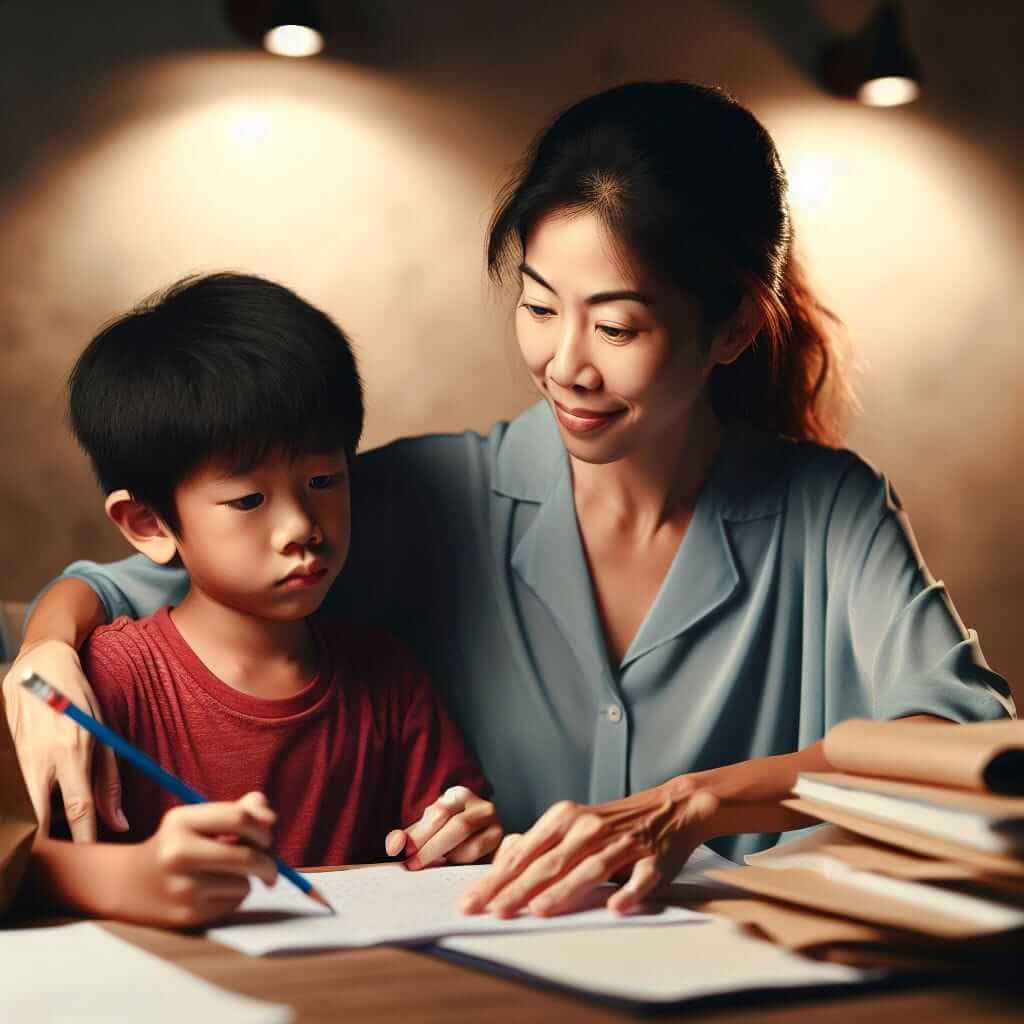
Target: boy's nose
[(298, 529)]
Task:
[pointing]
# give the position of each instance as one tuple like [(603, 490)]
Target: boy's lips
[(304, 576)]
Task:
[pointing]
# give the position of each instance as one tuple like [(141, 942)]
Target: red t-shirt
[(362, 750)]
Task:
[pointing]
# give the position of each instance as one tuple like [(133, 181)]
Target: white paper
[(387, 904), (972, 828), (657, 965), (82, 973)]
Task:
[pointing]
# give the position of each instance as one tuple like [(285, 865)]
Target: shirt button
[(614, 713)]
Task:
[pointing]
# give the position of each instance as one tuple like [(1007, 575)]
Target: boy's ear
[(737, 334), (141, 527)]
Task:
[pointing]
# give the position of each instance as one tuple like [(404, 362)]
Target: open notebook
[(387, 904)]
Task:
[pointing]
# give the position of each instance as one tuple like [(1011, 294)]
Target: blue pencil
[(41, 688)]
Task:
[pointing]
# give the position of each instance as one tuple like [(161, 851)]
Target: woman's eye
[(538, 312), (613, 333), (326, 481), (247, 503)]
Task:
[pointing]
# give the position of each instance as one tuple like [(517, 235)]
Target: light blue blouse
[(797, 599)]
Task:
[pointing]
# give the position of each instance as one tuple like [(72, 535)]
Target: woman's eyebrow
[(617, 295)]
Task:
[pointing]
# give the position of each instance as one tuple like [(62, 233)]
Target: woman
[(648, 598)]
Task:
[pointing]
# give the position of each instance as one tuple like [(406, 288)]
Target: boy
[(221, 420)]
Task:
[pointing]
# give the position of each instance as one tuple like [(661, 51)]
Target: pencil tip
[(321, 899)]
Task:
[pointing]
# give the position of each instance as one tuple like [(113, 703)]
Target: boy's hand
[(457, 828), (196, 867)]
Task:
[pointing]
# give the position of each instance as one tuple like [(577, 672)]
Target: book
[(993, 824), (982, 756)]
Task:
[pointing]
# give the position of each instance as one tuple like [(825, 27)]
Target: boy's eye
[(538, 312), (247, 502), (326, 481)]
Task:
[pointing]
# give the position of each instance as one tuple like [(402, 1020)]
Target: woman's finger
[(543, 870), (645, 878), (74, 776), (569, 892), (515, 857), (476, 897), (107, 787)]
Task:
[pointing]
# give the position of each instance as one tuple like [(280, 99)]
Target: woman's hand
[(573, 848), (53, 750), (196, 866), (457, 828)]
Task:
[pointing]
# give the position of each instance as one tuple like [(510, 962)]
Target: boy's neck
[(261, 657)]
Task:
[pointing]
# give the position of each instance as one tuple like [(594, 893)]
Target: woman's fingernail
[(121, 820)]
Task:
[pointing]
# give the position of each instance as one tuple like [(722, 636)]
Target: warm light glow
[(812, 177), (888, 92), (293, 41), (250, 128)]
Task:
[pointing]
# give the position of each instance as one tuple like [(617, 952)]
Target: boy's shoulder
[(123, 643)]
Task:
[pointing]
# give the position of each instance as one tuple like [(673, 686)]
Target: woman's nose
[(571, 364)]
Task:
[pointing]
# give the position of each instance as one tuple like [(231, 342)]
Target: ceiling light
[(875, 65)]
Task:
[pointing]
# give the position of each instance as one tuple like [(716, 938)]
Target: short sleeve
[(901, 635), (108, 667), (134, 587)]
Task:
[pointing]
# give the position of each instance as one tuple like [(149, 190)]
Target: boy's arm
[(51, 748), (183, 876)]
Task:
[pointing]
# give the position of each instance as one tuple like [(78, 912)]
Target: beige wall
[(143, 142)]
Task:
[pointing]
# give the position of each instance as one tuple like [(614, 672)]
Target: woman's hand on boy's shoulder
[(457, 828)]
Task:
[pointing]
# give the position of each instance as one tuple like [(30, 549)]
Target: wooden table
[(386, 984)]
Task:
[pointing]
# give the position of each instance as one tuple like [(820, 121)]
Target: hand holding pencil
[(191, 864), (186, 875)]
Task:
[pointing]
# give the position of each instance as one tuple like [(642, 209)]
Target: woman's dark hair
[(226, 367), (691, 184)]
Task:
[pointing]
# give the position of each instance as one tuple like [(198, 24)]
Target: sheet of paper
[(81, 973), (656, 965), (387, 904)]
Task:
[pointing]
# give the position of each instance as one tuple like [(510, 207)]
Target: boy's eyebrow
[(615, 295)]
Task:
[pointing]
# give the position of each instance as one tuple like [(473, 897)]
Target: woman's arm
[(52, 750), (648, 836)]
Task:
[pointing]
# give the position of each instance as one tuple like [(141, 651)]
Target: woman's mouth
[(584, 421)]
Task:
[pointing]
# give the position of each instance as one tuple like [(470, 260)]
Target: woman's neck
[(655, 486), (261, 657)]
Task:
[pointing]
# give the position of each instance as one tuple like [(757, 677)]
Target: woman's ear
[(737, 333), (141, 527)]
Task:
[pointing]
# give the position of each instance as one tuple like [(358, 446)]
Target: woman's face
[(617, 354)]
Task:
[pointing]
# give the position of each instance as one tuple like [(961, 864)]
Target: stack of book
[(922, 864)]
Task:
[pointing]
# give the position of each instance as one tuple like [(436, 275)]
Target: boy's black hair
[(225, 367)]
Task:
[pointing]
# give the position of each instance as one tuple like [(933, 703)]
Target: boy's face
[(268, 542)]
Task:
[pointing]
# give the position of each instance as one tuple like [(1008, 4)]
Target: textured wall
[(143, 141)]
